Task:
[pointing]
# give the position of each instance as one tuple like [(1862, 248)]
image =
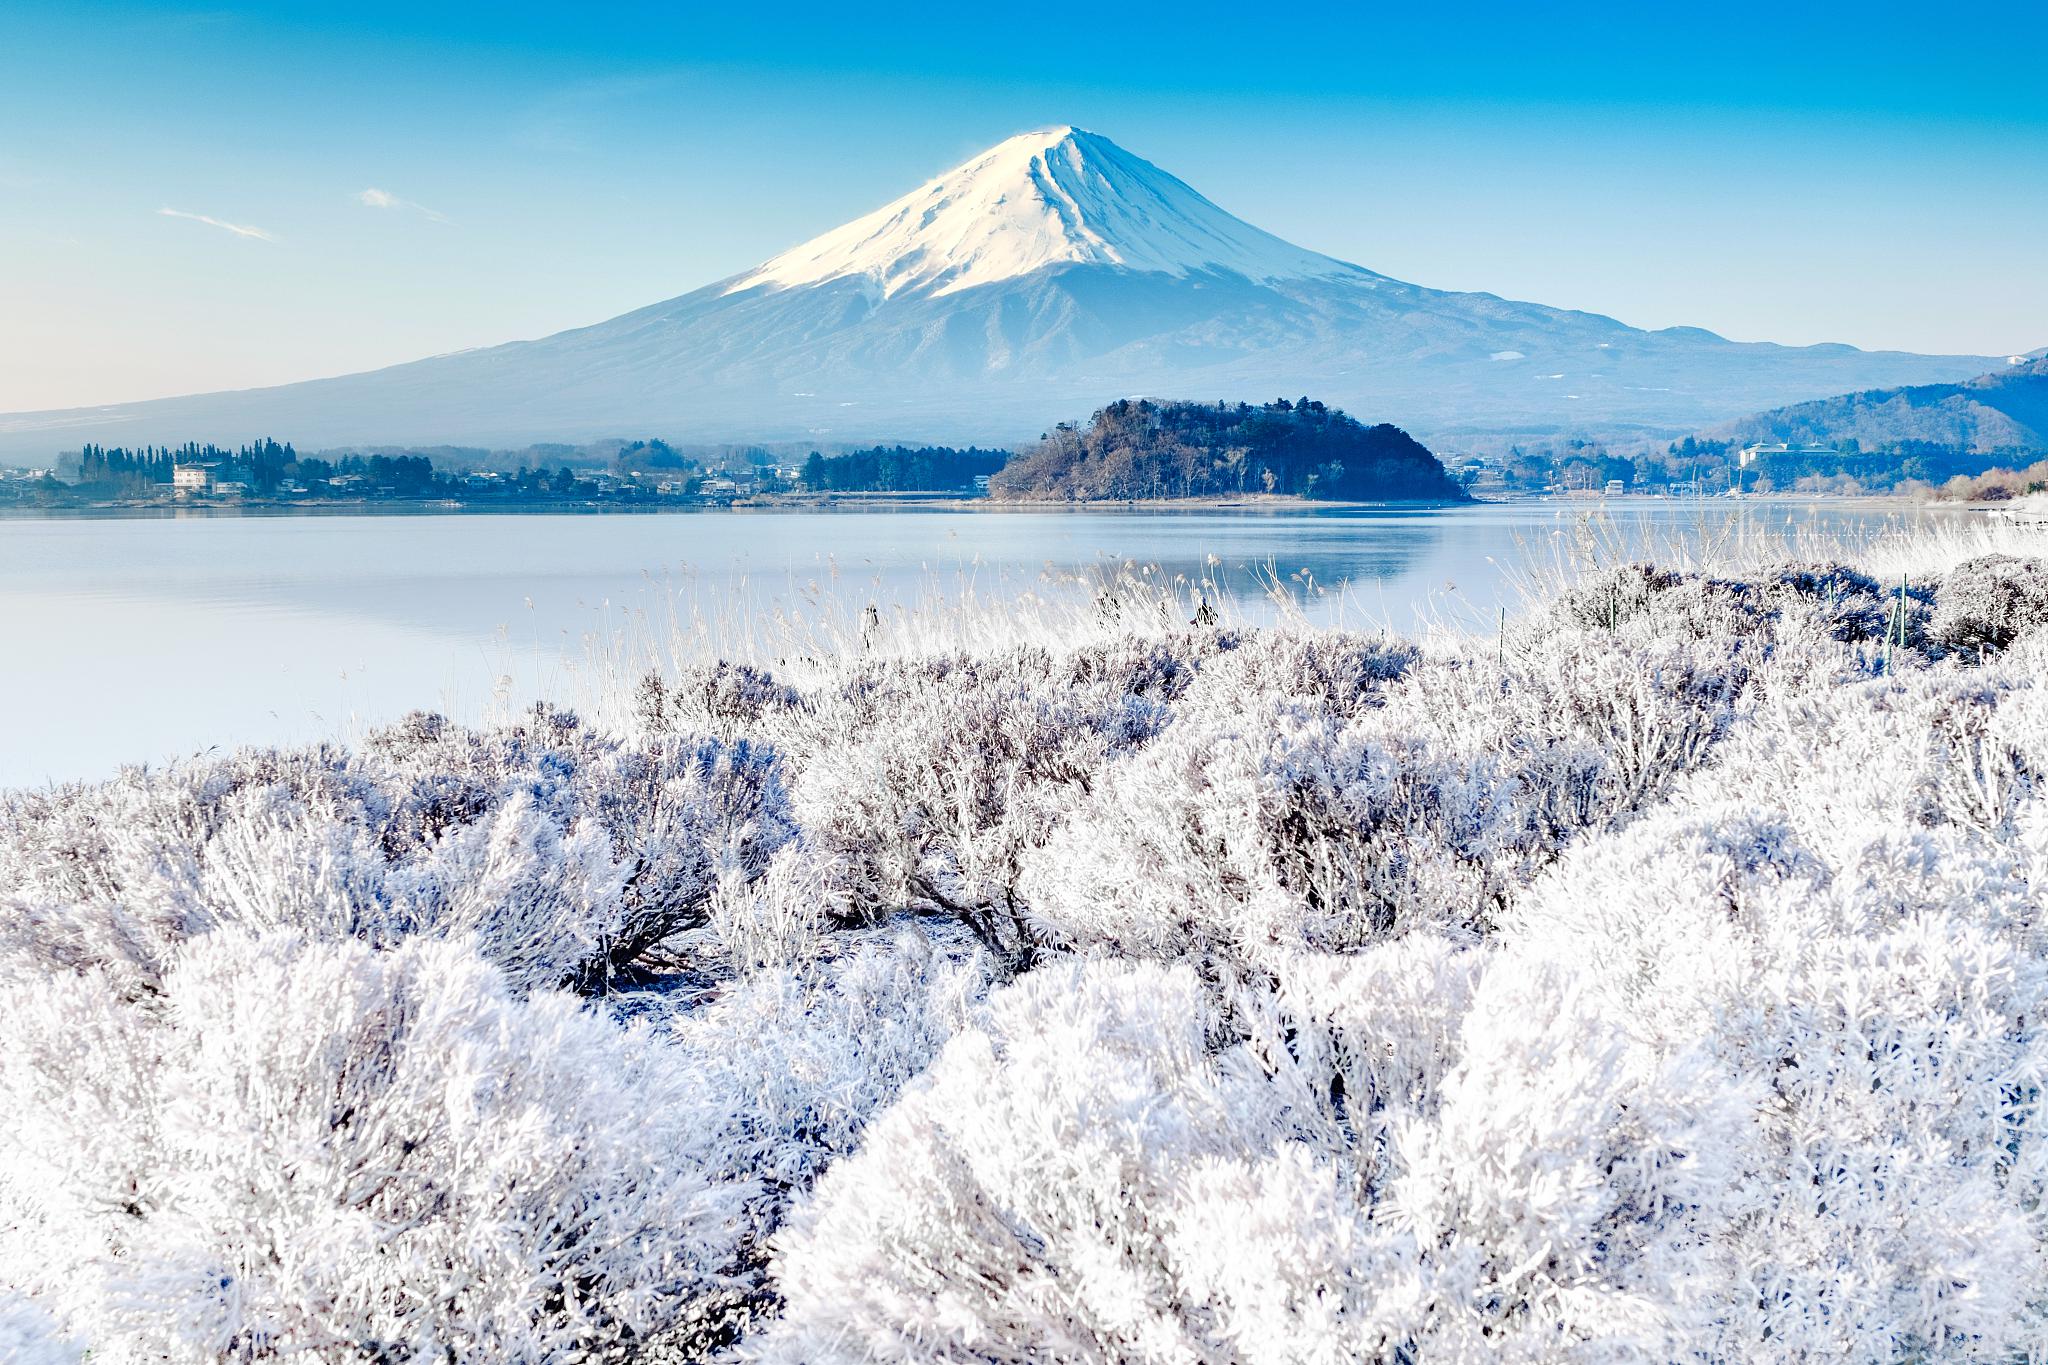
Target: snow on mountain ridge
[(1057, 196)]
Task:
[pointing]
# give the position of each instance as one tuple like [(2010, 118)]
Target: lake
[(136, 639)]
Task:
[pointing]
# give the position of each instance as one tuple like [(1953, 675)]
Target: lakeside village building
[(207, 478)]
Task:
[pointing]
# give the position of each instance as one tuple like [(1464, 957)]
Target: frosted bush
[(1332, 670), (1897, 1207), (29, 1336), (720, 698), (1015, 1205), (779, 919), (1367, 1038), (1632, 717), (104, 875), (789, 1067), (1644, 603), (1283, 832), (1888, 1202), (1987, 603), (1843, 603), (1871, 963), (1154, 667), (1277, 824), (1567, 1196), (1110, 1171), (1658, 979), (930, 790), (324, 1149), (566, 855)]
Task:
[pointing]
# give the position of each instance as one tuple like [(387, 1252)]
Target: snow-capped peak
[(1057, 196)]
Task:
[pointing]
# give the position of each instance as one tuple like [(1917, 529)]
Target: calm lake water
[(137, 639)]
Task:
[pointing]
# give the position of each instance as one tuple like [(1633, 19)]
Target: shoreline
[(856, 503)]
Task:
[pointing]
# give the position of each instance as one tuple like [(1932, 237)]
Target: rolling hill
[(2005, 410)]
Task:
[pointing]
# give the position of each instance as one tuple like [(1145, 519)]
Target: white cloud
[(385, 199), (237, 228)]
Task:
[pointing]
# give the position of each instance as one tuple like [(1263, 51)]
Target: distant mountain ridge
[(2004, 410), (1033, 283)]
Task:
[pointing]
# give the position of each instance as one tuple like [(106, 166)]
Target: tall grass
[(1736, 543), (805, 630), (809, 630)]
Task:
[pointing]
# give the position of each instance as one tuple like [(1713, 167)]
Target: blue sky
[(1875, 174)]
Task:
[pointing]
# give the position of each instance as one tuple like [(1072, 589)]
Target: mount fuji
[(1034, 282)]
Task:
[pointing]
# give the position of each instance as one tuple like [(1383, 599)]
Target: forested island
[(1145, 448)]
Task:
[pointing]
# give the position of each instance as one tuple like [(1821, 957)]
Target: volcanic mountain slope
[(1034, 282), (2004, 410)]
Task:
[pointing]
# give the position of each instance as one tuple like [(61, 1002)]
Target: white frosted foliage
[(1660, 979)]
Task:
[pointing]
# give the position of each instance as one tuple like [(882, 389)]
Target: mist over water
[(137, 640)]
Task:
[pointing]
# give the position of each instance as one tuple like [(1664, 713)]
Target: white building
[(207, 477)]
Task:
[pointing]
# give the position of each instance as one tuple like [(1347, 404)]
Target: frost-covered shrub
[(1658, 980), (1359, 1042), (720, 697), (1333, 670), (782, 917), (104, 875), (1904, 756), (690, 816), (1895, 1212), (567, 855), (1844, 604), (1016, 1205), (1985, 604), (1645, 602), (1276, 824), (1285, 831), (786, 1067), (1567, 1197), (1893, 1168), (325, 1149), (1108, 1171), (1603, 726), (1154, 667), (794, 1064), (1832, 602), (29, 1336), (1844, 914), (930, 791)]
